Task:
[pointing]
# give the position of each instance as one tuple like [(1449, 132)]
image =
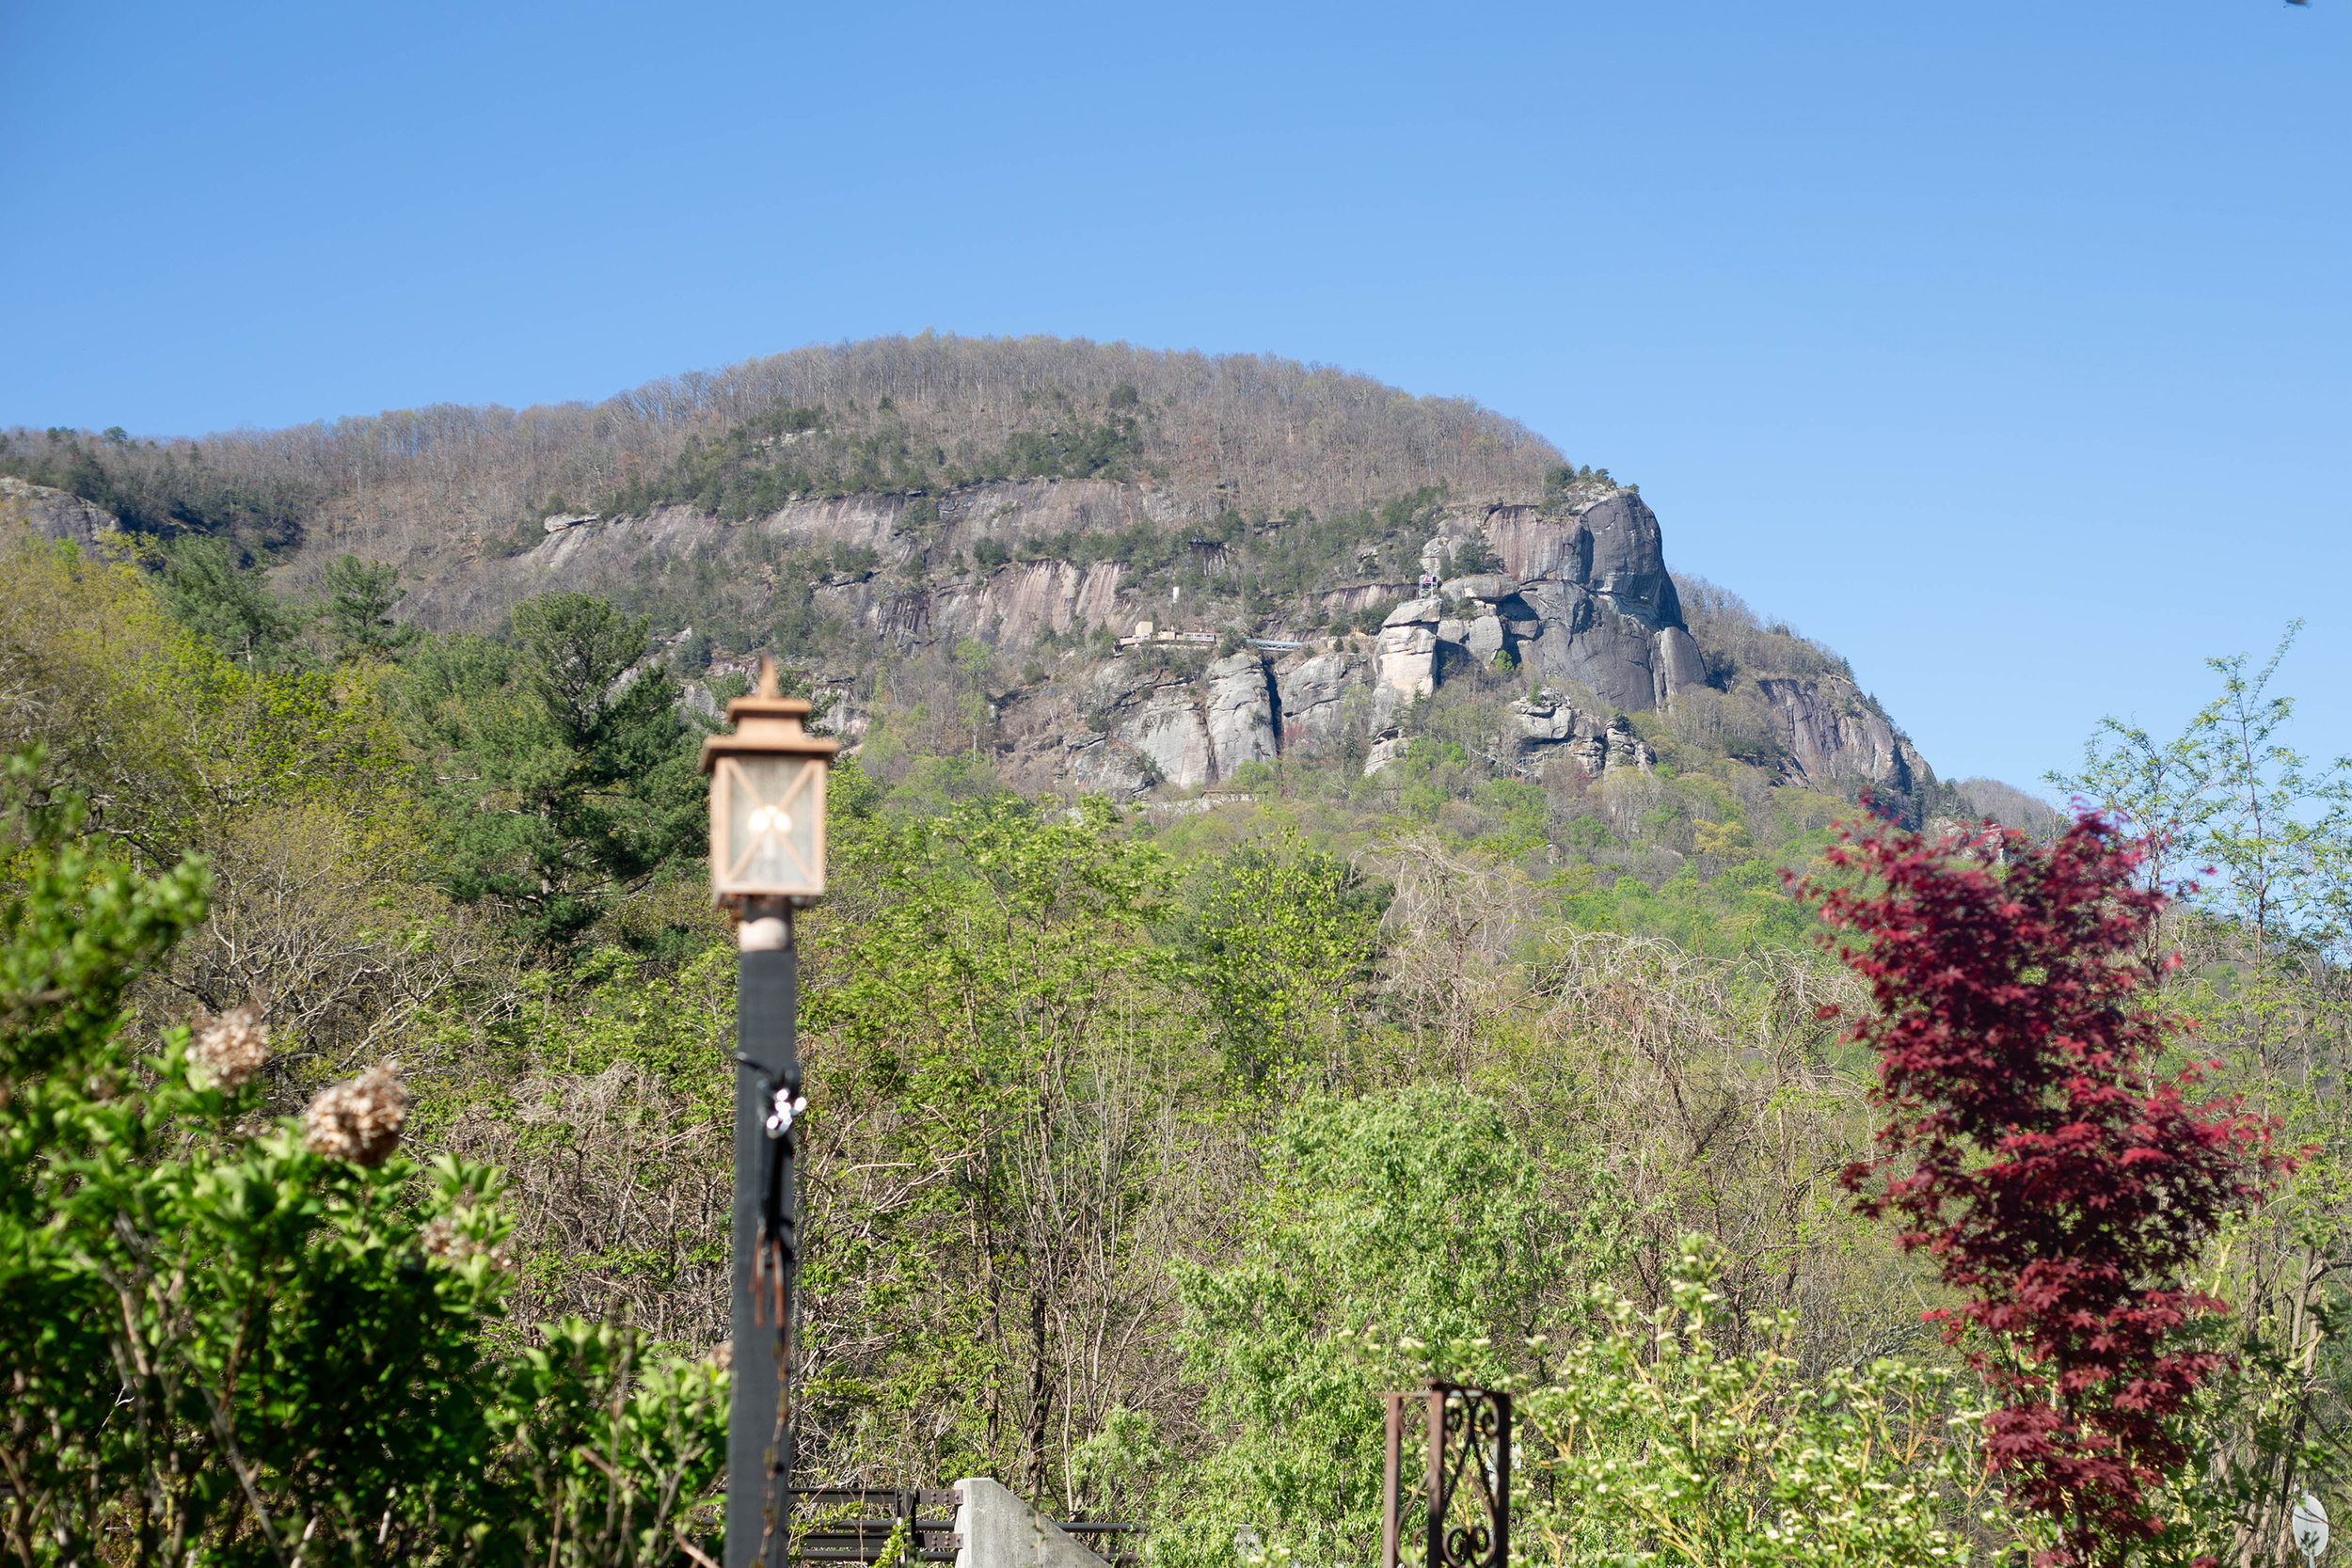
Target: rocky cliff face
[(896, 601), (1603, 604), (53, 513), (1585, 598), (1582, 604), (1833, 734)]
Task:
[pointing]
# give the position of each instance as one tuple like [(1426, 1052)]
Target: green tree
[(226, 602), (360, 596), (1412, 1220), (998, 1006), (2255, 840), (564, 777), (1279, 939)]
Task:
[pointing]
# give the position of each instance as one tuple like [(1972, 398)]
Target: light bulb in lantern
[(767, 800)]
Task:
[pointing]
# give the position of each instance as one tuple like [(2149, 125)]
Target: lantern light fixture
[(768, 801)]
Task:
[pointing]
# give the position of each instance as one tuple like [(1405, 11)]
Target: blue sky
[(2005, 347)]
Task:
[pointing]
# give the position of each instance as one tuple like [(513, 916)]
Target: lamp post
[(767, 860)]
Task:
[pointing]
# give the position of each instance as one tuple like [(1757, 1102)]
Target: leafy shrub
[(1649, 1441), (235, 1342), (1476, 555)]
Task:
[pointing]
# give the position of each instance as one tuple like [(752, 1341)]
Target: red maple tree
[(2031, 1147)]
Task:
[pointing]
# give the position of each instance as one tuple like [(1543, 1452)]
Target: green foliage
[(563, 778), (1650, 1442), (609, 1457), (1002, 935), (358, 613), (1588, 833), (1414, 1216), (77, 930), (1737, 909), (1278, 940), (182, 747), (1402, 1238), (227, 603), (989, 990), (228, 1347)]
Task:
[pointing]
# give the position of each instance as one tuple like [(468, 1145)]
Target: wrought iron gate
[(1467, 1518)]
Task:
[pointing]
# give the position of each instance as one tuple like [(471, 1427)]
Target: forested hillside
[(950, 540), (893, 413), (1401, 969)]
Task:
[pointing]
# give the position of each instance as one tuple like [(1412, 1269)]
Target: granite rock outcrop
[(1833, 734), (1598, 743), (1241, 714), (1572, 594), (54, 514), (1315, 690)]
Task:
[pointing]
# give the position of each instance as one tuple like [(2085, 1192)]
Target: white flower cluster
[(358, 1121), (228, 1051)]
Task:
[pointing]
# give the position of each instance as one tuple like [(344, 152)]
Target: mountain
[(1092, 567)]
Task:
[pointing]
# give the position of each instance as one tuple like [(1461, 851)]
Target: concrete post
[(999, 1530)]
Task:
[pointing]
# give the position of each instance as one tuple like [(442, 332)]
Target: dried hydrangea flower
[(358, 1121), (441, 1243), (228, 1051)]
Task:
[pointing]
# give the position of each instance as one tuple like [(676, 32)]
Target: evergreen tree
[(223, 599), (360, 596), (565, 776)]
